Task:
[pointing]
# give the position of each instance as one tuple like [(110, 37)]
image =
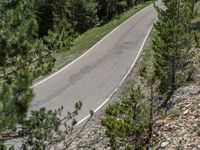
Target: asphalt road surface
[(94, 76)]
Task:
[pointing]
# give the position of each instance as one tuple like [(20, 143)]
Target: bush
[(127, 122)]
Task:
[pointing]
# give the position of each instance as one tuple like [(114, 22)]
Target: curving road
[(94, 76)]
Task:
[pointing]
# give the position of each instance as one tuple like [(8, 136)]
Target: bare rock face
[(180, 129)]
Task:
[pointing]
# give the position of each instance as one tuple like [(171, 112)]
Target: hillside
[(141, 80), (180, 128)]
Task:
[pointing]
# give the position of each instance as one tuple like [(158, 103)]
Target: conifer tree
[(81, 14), (172, 45), (24, 57), (53, 24), (127, 122)]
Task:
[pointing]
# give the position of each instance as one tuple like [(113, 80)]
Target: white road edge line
[(89, 50), (137, 57)]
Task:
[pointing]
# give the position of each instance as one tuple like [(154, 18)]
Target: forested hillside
[(30, 31), (33, 32)]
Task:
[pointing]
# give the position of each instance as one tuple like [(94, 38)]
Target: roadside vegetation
[(33, 37), (167, 64)]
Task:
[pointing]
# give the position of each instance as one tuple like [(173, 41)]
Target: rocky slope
[(180, 129)]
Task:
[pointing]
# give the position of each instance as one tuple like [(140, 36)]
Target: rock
[(195, 92), (164, 144), (198, 146), (186, 112)]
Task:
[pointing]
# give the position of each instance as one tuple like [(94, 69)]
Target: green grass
[(83, 42)]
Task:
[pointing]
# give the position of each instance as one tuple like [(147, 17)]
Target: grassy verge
[(83, 42)]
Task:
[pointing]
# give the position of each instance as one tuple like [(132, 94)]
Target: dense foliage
[(81, 14), (127, 121), (24, 57), (107, 9)]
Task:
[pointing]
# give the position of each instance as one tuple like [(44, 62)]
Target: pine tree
[(81, 14), (53, 24), (108, 9), (61, 37), (24, 57), (172, 45), (127, 122)]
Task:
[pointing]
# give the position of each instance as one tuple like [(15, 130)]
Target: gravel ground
[(180, 130)]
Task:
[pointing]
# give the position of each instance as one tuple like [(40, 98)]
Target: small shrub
[(127, 122)]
